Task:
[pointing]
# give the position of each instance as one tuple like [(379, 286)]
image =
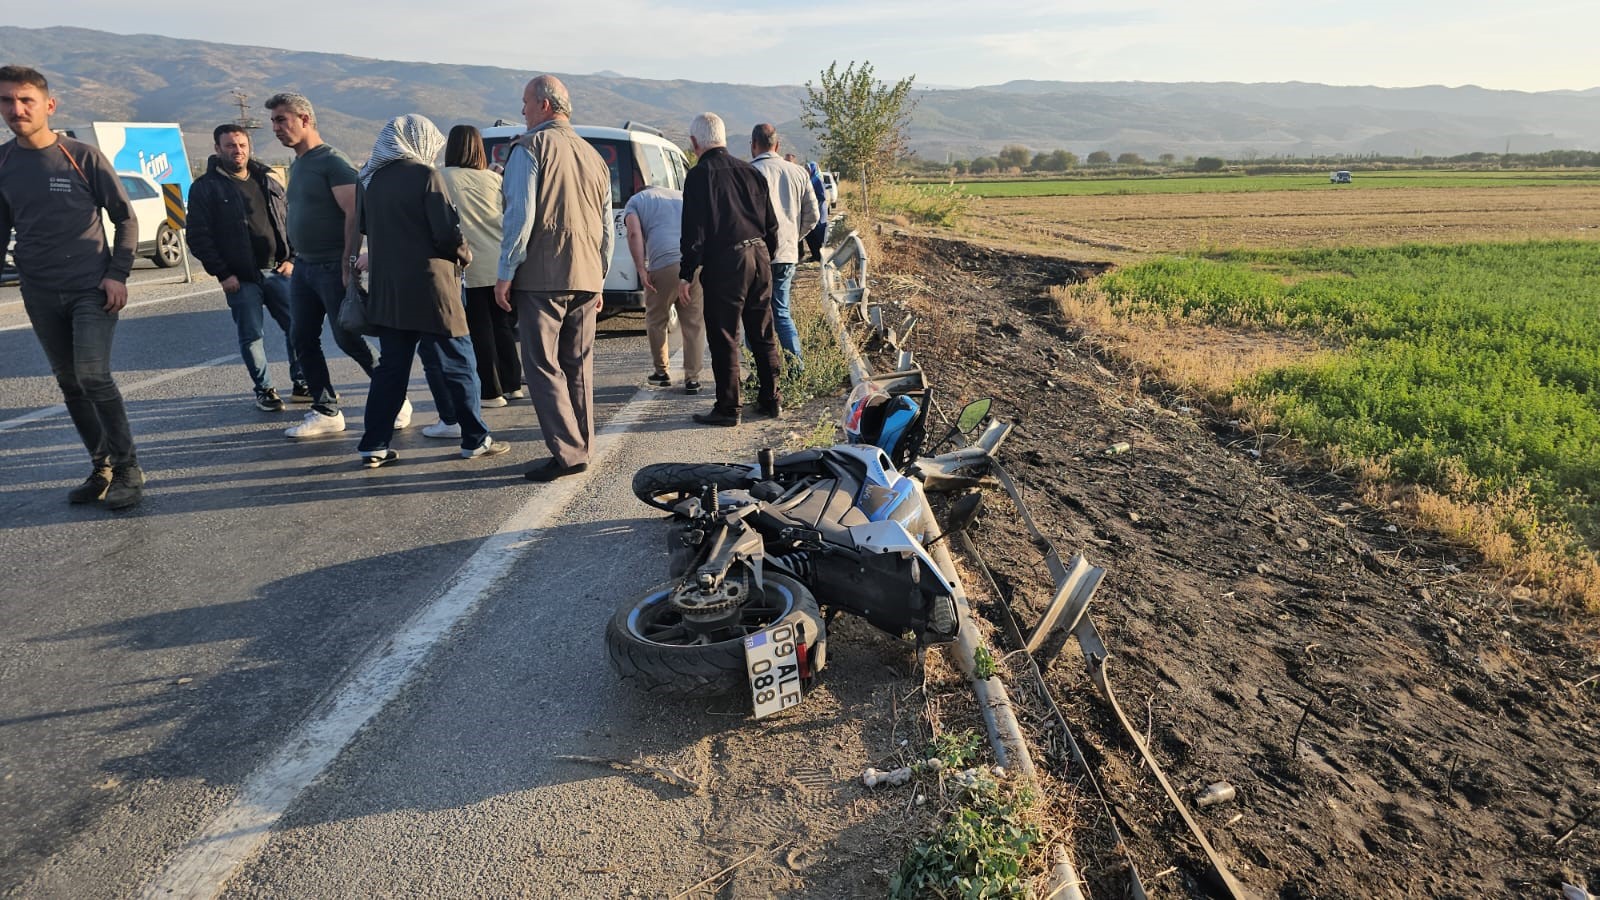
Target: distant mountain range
[(103, 76)]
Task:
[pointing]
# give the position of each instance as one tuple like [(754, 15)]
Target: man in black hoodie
[(237, 231)]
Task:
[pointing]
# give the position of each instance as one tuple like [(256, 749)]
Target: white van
[(639, 157), (830, 186)]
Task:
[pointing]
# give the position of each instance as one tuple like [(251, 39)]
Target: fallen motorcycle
[(759, 552)]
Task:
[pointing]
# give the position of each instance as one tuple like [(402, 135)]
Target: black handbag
[(353, 309)]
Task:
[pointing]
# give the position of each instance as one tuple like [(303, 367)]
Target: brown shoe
[(717, 417)]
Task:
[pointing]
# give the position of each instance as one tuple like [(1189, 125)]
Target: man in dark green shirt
[(322, 233), (73, 284)]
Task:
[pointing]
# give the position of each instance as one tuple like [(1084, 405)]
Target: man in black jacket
[(730, 234), (237, 231)]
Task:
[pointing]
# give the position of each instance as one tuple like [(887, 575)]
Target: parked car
[(639, 157), (1340, 177), (157, 239)]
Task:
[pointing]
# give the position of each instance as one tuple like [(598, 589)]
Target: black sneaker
[(771, 409), (660, 379), (300, 394), (93, 488), (691, 387), (268, 400), (127, 488)]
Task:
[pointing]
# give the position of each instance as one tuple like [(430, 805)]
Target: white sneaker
[(404, 418), (493, 402), (489, 447), (518, 394), (442, 429), (316, 423)]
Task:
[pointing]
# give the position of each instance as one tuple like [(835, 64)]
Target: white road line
[(163, 279), (132, 306), (58, 409), (202, 868)]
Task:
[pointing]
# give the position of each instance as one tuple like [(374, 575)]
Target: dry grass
[(1125, 228)]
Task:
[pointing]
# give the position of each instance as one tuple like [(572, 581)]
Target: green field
[(1202, 184), (1481, 359)]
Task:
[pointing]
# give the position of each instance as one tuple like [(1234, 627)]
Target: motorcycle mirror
[(973, 414), (963, 512)]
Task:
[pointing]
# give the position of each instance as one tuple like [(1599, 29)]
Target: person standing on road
[(322, 232), (52, 190), (476, 193), (553, 262), (789, 189), (415, 251), (654, 220), (237, 230), (730, 235), (818, 236)]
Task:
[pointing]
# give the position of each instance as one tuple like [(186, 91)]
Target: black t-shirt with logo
[(255, 206)]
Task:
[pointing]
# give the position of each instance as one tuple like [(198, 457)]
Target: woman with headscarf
[(414, 253), (475, 191)]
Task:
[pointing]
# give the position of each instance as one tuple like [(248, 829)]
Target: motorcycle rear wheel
[(651, 650), (665, 485)]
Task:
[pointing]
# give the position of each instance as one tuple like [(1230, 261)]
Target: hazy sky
[(1538, 45)]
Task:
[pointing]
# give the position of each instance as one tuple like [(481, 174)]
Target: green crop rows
[(1201, 184), (1482, 359)]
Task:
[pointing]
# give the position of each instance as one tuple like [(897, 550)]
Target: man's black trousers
[(738, 288)]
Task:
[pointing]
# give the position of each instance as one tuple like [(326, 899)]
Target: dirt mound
[(1394, 726)]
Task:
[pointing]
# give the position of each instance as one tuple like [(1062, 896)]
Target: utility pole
[(245, 120)]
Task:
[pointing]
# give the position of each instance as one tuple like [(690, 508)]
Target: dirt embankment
[(1394, 726)]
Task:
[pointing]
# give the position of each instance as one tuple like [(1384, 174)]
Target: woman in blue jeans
[(414, 253)]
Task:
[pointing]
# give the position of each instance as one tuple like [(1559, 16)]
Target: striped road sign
[(176, 216)]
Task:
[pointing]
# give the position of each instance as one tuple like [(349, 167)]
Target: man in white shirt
[(796, 208)]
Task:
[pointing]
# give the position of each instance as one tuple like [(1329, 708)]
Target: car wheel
[(169, 247)]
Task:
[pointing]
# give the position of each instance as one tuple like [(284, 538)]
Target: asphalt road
[(158, 664)]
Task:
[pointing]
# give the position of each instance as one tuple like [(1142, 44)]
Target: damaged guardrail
[(846, 291)]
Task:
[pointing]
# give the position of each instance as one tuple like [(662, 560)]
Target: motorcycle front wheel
[(665, 485), (653, 648)]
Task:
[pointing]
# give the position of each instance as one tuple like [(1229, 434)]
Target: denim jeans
[(315, 291), (248, 303), (438, 386), (782, 322), (75, 331), (458, 372)]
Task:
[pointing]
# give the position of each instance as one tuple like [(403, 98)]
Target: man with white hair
[(789, 188), (554, 254), (730, 235)]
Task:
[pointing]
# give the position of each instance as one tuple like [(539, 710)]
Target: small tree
[(1100, 158), (1129, 159), (860, 123), (1208, 164), (1041, 162), (1061, 160), (1015, 156), (1168, 159), (984, 164)]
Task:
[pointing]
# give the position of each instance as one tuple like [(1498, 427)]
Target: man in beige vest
[(554, 256)]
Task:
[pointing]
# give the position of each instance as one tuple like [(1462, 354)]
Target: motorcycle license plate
[(773, 664)]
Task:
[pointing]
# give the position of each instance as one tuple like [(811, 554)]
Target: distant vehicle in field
[(830, 184), (1340, 177)]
